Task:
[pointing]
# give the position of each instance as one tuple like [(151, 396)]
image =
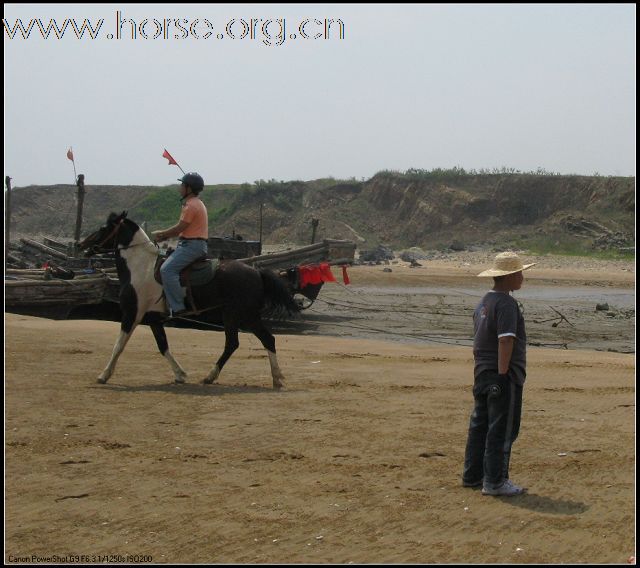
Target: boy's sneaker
[(507, 489)]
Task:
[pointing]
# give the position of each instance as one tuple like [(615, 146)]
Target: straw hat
[(506, 263)]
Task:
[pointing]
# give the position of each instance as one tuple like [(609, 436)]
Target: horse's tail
[(276, 292)]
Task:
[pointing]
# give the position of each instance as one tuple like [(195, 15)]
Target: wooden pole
[(261, 194), (314, 226), (7, 212), (80, 184), (261, 224), (75, 175), (44, 248)]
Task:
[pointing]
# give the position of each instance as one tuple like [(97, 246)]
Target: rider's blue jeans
[(186, 252)]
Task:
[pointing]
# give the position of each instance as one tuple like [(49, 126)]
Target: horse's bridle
[(97, 248)]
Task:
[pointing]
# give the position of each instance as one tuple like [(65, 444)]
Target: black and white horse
[(237, 290)]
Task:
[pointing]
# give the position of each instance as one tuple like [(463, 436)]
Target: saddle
[(200, 272)]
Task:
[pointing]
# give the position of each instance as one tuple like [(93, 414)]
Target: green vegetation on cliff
[(542, 211)]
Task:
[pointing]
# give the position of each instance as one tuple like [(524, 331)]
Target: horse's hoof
[(207, 381), (179, 380), (102, 381)]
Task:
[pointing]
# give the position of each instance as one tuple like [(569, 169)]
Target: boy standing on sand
[(499, 352)]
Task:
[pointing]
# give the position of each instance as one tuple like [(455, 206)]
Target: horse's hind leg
[(230, 345), (269, 343), (163, 346)]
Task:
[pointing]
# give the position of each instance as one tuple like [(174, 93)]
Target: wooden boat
[(32, 288), (36, 292), (227, 247), (32, 293), (332, 251)]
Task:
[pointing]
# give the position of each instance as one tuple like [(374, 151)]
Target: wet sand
[(433, 304)]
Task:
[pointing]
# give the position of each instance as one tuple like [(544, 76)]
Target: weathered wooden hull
[(31, 289), (224, 247), (333, 251)]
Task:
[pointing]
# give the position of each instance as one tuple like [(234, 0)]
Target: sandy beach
[(357, 460)]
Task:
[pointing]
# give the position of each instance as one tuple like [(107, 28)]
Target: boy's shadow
[(543, 504)]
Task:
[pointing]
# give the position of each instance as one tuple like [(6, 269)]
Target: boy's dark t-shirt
[(498, 315)]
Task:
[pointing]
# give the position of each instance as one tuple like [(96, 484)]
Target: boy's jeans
[(493, 427)]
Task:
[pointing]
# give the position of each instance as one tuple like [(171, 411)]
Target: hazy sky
[(409, 86)]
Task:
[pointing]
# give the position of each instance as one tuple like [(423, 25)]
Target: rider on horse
[(192, 231)]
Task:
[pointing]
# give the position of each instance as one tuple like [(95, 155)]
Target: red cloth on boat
[(315, 274)]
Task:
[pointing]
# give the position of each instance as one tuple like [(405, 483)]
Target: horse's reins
[(112, 235)]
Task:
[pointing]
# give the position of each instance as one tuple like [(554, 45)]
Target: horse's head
[(117, 231)]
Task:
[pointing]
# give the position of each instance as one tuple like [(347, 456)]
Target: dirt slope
[(400, 210)]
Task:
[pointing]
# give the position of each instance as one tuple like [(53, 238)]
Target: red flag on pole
[(169, 157), (70, 155)]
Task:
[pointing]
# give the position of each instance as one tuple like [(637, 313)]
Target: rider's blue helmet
[(193, 181)]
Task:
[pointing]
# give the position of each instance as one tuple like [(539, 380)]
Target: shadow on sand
[(191, 389), (542, 504)]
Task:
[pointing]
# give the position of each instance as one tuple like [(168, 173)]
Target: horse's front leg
[(163, 346), (118, 348), (130, 319)]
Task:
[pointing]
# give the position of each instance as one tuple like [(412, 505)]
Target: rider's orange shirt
[(194, 212)]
